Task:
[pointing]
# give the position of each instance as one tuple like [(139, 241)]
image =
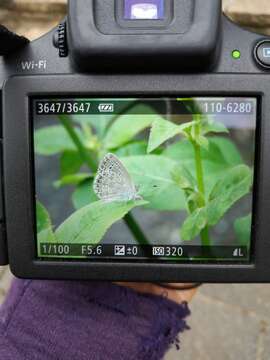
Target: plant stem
[(200, 180), (136, 230), (84, 154), (92, 164), (199, 170), (206, 241)]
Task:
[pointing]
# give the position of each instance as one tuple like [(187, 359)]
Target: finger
[(178, 296)]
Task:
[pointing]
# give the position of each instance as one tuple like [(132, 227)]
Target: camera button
[(262, 53)]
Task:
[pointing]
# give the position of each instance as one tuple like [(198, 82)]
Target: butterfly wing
[(113, 182)]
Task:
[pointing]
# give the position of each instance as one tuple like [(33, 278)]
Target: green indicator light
[(236, 54)]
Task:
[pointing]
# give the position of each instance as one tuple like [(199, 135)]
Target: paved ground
[(5, 279), (228, 322)]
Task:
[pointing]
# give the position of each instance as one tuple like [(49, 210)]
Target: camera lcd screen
[(144, 179)]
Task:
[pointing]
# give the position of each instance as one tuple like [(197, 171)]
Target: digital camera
[(136, 142)]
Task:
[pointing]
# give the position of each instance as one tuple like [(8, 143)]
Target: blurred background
[(229, 322)]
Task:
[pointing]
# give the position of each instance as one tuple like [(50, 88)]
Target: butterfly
[(113, 182)]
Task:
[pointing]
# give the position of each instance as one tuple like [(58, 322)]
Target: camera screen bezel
[(49, 106), (19, 175)]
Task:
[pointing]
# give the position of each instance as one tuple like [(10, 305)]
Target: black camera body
[(150, 50)]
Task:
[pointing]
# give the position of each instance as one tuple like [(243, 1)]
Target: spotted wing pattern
[(113, 182)]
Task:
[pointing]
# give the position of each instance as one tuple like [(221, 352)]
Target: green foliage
[(195, 131), (44, 226), (126, 127), (183, 178), (152, 176), (234, 186), (220, 156), (242, 228), (133, 148), (228, 150), (235, 180), (194, 224), (52, 140), (163, 131), (84, 194), (227, 191), (99, 122), (70, 162), (43, 218), (212, 126), (90, 224), (188, 167), (73, 179)]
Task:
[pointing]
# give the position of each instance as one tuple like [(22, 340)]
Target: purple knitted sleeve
[(54, 320)]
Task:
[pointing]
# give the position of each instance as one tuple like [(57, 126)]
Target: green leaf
[(229, 151), (52, 140), (195, 133), (44, 225), (239, 175), (242, 228), (213, 126), (194, 201), (99, 122), (135, 148), (84, 194), (162, 131), (202, 141), (127, 126), (183, 178), (227, 191), (70, 163), (153, 179), (45, 236), (73, 179), (89, 224), (194, 224), (43, 217), (221, 155), (203, 124)]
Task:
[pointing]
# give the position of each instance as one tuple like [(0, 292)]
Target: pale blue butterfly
[(113, 181)]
